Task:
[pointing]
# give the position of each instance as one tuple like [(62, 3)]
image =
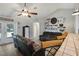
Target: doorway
[(6, 30), (36, 30)]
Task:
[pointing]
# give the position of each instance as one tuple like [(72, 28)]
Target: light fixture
[(76, 12), (24, 14)]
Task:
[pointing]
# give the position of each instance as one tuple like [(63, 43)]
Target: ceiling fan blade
[(22, 10), (34, 13), (29, 16), (19, 14)]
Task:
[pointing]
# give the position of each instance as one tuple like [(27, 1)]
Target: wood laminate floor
[(70, 46), (9, 50)]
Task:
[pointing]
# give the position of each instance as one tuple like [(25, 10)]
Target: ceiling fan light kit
[(76, 12), (26, 12)]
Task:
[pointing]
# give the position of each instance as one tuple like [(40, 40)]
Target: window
[(10, 30)]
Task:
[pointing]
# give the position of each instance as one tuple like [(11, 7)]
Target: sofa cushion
[(29, 42), (49, 36), (52, 33), (25, 40)]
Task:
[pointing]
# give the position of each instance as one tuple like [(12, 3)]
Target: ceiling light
[(25, 14), (76, 13)]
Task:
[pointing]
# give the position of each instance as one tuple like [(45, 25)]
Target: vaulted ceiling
[(43, 9)]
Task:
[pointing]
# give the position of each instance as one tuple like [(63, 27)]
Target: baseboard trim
[(6, 43)]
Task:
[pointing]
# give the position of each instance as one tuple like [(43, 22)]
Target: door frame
[(1, 30), (4, 38)]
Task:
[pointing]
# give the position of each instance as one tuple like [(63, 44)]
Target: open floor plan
[(39, 29)]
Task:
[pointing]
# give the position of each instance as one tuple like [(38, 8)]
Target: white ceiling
[(43, 9)]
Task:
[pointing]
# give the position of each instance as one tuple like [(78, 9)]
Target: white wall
[(66, 13), (76, 24), (69, 19), (28, 21)]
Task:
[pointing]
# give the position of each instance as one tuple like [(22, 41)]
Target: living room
[(40, 24)]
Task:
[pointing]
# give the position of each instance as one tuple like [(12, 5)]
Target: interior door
[(0, 31), (36, 30)]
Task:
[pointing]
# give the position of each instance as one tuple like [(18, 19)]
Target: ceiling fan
[(26, 12), (76, 12)]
